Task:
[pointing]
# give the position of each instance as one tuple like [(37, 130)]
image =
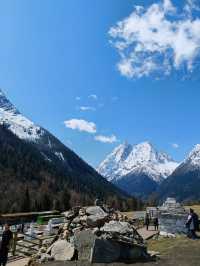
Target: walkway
[(18, 262), (147, 234)]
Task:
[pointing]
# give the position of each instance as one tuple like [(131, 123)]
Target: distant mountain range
[(37, 171), (37, 167), (141, 170), (138, 169)]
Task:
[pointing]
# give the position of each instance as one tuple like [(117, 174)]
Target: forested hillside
[(30, 182)]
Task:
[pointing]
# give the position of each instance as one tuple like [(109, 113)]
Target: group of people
[(148, 220), (5, 243)]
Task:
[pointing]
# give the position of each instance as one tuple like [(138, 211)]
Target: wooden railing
[(139, 223), (26, 246)]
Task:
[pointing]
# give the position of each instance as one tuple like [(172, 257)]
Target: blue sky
[(55, 54)]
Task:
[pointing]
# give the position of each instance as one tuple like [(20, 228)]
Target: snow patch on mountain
[(16, 122), (60, 156), (46, 157), (138, 159), (194, 157)]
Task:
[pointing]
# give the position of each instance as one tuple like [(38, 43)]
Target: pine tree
[(25, 201), (65, 199)]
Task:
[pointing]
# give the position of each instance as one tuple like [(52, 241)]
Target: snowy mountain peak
[(142, 158), (122, 151), (6, 104), (143, 152), (16, 122), (194, 156)]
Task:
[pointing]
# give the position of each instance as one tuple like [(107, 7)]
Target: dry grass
[(165, 245), (196, 208), (128, 214)]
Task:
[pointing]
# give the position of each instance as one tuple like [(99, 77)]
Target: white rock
[(62, 250), (117, 227)]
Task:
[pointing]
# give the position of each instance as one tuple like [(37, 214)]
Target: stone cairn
[(172, 218), (95, 234)]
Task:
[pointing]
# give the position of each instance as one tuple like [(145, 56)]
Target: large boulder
[(105, 251), (96, 210), (96, 216), (117, 227), (108, 251), (133, 253), (62, 250), (84, 241)]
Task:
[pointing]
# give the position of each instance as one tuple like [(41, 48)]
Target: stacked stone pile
[(94, 234), (172, 218)]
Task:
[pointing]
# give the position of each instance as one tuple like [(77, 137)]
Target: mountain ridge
[(48, 161), (127, 163), (184, 182)]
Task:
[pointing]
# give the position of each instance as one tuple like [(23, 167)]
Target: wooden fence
[(27, 245)]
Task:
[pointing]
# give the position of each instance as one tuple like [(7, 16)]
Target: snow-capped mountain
[(140, 159), (184, 182), (26, 130), (16, 122), (32, 158), (193, 158)]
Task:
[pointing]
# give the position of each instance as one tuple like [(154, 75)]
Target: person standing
[(147, 221), (196, 222), (192, 224), (5, 244), (156, 224)]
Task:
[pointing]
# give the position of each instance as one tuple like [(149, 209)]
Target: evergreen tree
[(65, 199), (25, 201)]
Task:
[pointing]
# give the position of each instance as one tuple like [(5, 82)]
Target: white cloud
[(93, 96), (81, 125), (157, 39), (78, 98), (87, 108), (175, 145), (106, 139)]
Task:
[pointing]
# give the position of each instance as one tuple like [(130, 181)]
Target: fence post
[(14, 243), (40, 243)]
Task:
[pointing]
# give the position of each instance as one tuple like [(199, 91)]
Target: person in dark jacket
[(192, 224), (156, 224), (147, 221), (196, 222), (4, 245)]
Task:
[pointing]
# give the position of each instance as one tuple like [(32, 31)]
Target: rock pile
[(95, 234)]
